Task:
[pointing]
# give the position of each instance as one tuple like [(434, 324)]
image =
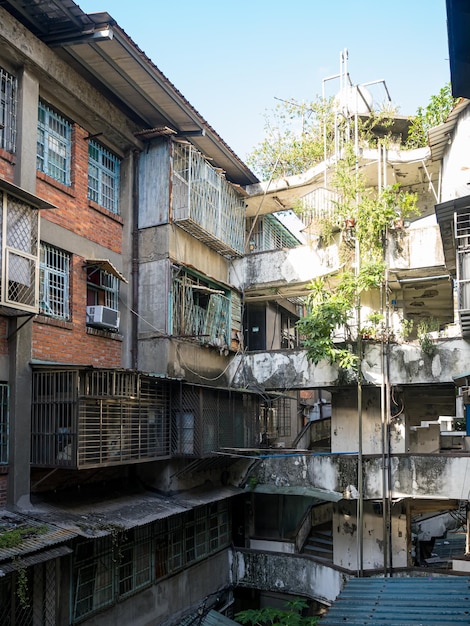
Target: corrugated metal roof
[(439, 136), (34, 535), (298, 490), (427, 600)]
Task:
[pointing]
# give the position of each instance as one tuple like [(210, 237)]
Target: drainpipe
[(135, 259)]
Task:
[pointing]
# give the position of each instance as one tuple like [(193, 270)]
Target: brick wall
[(72, 341)]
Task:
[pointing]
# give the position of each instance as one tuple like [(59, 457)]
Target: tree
[(432, 115), (295, 139), (291, 616)]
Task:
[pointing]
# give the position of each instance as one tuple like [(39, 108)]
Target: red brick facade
[(72, 341)]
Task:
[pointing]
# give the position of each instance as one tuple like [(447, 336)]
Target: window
[(4, 422), (103, 177), (54, 285), (201, 310), (54, 144), (102, 288), (8, 99)]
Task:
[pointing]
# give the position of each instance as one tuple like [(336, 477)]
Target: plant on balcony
[(331, 304), (424, 330)]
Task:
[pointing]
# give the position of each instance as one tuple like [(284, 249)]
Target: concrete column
[(20, 333), (27, 125)]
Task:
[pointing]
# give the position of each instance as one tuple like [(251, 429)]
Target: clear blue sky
[(232, 59)]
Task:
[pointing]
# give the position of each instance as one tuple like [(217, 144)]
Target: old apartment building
[(165, 445)]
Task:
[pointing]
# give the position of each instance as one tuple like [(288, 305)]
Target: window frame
[(8, 110), (54, 144), (103, 177), (103, 290), (55, 279)]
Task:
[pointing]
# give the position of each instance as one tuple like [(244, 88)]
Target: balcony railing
[(267, 233), (92, 418), (204, 203)]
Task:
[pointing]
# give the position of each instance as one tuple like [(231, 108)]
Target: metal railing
[(269, 234), (205, 204)]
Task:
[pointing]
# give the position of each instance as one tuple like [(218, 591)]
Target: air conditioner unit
[(102, 317)]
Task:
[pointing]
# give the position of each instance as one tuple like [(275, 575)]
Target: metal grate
[(8, 104), (20, 250), (54, 282), (205, 420), (103, 176), (269, 234), (99, 417), (201, 310), (109, 569), (54, 144), (204, 204)]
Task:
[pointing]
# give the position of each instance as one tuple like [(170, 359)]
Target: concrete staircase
[(319, 543)]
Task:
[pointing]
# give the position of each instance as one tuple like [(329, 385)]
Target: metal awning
[(106, 266), (34, 559), (297, 490), (22, 194)]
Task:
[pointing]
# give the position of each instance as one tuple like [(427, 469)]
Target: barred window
[(54, 146), (103, 177), (4, 422), (8, 101), (102, 288), (54, 284)]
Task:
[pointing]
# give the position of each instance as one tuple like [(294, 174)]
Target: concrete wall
[(417, 476), (456, 162), (408, 365), (345, 537), (292, 574)]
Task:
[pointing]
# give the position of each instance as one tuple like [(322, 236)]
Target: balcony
[(19, 279), (205, 205), (84, 418)]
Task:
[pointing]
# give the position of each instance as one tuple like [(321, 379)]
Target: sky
[(235, 60)]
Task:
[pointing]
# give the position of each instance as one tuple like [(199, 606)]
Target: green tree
[(432, 115), (294, 138), (291, 616)]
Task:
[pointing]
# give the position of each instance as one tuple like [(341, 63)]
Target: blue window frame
[(103, 177), (54, 146), (8, 101), (54, 282)]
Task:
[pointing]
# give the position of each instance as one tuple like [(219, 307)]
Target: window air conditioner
[(102, 317)]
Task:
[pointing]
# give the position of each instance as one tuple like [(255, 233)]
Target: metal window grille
[(275, 418), (205, 420), (102, 288), (103, 177), (4, 421), (54, 144), (8, 104), (205, 204), (269, 234), (19, 253), (99, 417), (135, 562), (94, 577), (201, 311), (54, 282)]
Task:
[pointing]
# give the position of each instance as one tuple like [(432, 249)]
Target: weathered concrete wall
[(456, 162), (410, 248), (293, 574), (408, 365), (282, 267), (162, 603), (345, 537), (417, 476)]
